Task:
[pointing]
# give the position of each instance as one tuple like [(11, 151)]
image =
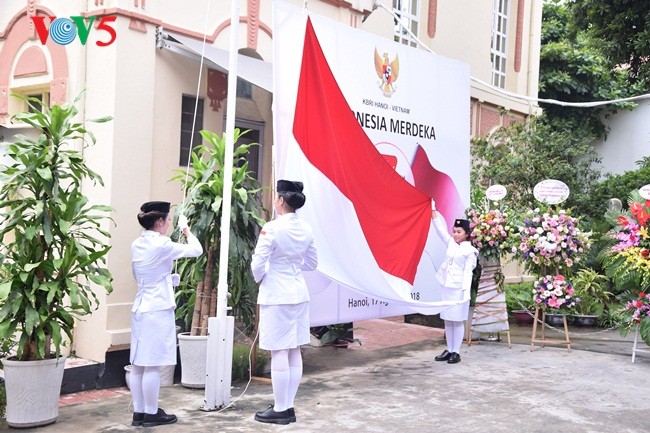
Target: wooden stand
[(469, 339), (490, 314), (543, 340), (634, 348)]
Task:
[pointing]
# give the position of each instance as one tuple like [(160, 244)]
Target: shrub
[(241, 362), (618, 186), (519, 295)]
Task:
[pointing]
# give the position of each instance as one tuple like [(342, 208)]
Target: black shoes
[(292, 415), (160, 418), (271, 416), (444, 356), (450, 357), (137, 419)]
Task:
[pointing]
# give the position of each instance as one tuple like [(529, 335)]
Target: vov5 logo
[(64, 30)]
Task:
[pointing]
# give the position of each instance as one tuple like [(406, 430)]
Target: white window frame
[(499, 46), (408, 11)]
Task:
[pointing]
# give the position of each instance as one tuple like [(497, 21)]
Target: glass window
[(407, 11), (499, 43), (244, 89), (188, 121)]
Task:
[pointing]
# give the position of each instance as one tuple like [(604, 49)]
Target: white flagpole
[(221, 328)]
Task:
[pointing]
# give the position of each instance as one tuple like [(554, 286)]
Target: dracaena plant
[(54, 245), (197, 294)]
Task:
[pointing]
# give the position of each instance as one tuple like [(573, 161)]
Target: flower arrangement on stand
[(492, 232), (551, 240), (627, 262), (554, 291)]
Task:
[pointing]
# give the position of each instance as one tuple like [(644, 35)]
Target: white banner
[(374, 129)]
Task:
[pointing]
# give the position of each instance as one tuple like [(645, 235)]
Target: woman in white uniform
[(284, 250), (153, 330), (455, 276)]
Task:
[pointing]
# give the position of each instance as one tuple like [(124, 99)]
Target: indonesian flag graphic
[(437, 185), (372, 227), (393, 215)]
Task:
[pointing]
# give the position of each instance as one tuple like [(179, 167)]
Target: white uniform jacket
[(284, 249), (152, 260), (460, 260)]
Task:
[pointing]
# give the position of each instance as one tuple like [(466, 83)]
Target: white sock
[(135, 383), (295, 373), (449, 335), (295, 376), (151, 389), (280, 381), (459, 333)]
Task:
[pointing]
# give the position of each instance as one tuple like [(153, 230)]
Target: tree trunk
[(208, 291), (196, 314)]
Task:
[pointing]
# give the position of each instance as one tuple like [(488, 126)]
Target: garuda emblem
[(387, 72)]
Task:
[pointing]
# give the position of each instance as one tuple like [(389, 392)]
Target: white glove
[(433, 204), (176, 280), (182, 222)]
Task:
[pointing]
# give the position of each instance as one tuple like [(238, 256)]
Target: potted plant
[(53, 249), (337, 335), (591, 288), (197, 295), (519, 302)]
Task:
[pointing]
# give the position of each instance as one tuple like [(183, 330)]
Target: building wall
[(628, 140), (141, 86)]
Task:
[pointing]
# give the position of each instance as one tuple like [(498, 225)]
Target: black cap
[(288, 186), (156, 206), (464, 224)]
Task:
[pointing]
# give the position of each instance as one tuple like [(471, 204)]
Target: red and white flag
[(367, 176)]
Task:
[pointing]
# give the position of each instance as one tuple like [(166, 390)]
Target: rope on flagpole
[(196, 103), (379, 4)]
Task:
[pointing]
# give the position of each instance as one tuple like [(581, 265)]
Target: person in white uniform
[(455, 276), (153, 329), (285, 248)]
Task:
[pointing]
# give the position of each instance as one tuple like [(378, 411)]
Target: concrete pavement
[(385, 386)]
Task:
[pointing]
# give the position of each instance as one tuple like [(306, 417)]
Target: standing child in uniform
[(284, 249), (455, 275), (153, 328)]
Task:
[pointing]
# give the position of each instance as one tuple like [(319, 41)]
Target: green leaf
[(5, 287), (100, 279), (644, 330), (64, 226), (45, 173), (31, 319), (28, 267)]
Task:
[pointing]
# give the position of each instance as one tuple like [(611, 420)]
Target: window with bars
[(407, 11), (188, 105), (499, 49)]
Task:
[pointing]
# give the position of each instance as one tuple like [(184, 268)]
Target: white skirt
[(284, 326), (153, 338), (457, 313)]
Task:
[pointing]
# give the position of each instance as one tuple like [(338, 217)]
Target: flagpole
[(221, 328)]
